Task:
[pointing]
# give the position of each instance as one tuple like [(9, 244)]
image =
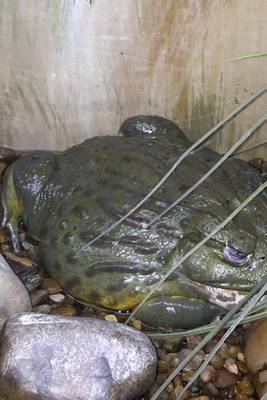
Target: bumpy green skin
[(67, 199)]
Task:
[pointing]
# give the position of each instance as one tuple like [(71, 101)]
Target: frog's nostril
[(235, 256)]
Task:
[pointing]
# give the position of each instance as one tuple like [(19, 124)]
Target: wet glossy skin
[(67, 199)]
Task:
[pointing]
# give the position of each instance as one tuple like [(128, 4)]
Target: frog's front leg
[(12, 208), (177, 312)]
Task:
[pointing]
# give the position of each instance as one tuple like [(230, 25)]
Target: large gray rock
[(14, 298), (74, 358)]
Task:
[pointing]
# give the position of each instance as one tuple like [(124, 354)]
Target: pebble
[(11, 288), (246, 387), (193, 341), (57, 298), (178, 390), (241, 396), (195, 363), (172, 359), (74, 358), (67, 311), (37, 296), (242, 367), (23, 261), (210, 387), (51, 286), (241, 357), (233, 351), (217, 361), (263, 376), (43, 309), (224, 352), (137, 324), (111, 317), (198, 398), (163, 367), (256, 352), (231, 366), (207, 374), (223, 379)]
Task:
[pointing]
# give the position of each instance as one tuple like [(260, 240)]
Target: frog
[(66, 199)]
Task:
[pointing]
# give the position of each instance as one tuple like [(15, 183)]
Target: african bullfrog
[(65, 199)]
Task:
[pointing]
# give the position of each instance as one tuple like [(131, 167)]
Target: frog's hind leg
[(12, 208), (177, 312), (150, 126)]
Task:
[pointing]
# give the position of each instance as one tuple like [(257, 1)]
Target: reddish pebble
[(51, 286), (223, 379), (68, 311)]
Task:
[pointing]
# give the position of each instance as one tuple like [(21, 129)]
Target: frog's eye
[(235, 256)]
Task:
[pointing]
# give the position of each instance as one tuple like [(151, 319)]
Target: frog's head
[(22, 183), (236, 257), (31, 172)]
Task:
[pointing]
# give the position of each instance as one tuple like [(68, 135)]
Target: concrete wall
[(70, 69)]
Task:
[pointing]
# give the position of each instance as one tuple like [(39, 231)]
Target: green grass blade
[(232, 149), (246, 57)]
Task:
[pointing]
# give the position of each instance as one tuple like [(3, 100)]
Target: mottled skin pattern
[(66, 199)]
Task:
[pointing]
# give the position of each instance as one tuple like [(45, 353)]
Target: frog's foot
[(12, 209), (177, 312)]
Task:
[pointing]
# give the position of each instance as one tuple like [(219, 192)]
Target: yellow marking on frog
[(16, 206), (121, 303)]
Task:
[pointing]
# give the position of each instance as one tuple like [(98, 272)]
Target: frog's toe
[(12, 208), (14, 235), (177, 312)]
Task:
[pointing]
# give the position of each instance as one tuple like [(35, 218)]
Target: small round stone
[(241, 396), (207, 374), (137, 324), (172, 359), (42, 309), (170, 388), (224, 379), (67, 311), (51, 286), (178, 390), (22, 261), (57, 298), (241, 357), (37, 296), (217, 361), (233, 350), (224, 352), (163, 367), (263, 376), (246, 387), (111, 317), (231, 366)]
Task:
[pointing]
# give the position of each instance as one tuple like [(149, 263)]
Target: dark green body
[(69, 198)]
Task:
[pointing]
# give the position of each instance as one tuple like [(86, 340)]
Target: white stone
[(55, 357), (14, 298)]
